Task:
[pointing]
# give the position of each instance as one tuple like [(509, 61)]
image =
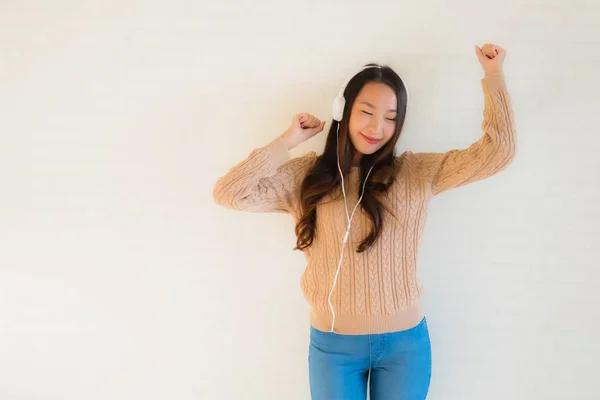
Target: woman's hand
[(303, 127), (491, 58)]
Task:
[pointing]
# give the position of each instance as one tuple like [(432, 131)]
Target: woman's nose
[(375, 126)]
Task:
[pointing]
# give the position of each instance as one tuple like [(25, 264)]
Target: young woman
[(360, 280)]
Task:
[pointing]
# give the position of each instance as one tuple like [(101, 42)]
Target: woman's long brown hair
[(324, 177)]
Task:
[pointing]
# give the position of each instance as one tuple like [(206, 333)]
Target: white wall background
[(119, 277)]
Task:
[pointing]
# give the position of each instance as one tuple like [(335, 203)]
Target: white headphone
[(338, 112), (339, 102)]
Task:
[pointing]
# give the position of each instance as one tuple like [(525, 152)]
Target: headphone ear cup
[(338, 108)]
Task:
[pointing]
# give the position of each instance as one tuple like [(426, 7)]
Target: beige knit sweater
[(377, 290)]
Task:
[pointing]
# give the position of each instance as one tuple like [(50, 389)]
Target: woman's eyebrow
[(372, 106)]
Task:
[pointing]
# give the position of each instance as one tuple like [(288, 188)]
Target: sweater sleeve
[(268, 180), (492, 153)]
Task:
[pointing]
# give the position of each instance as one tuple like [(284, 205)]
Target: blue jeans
[(399, 364)]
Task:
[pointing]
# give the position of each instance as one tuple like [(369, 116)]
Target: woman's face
[(373, 117)]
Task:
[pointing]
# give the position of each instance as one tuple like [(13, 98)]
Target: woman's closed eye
[(368, 113)]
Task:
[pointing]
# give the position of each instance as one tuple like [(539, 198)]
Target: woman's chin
[(367, 150)]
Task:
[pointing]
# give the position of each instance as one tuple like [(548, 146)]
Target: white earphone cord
[(348, 226)]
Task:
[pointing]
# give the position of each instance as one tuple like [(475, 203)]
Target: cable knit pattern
[(378, 290), (260, 183)]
